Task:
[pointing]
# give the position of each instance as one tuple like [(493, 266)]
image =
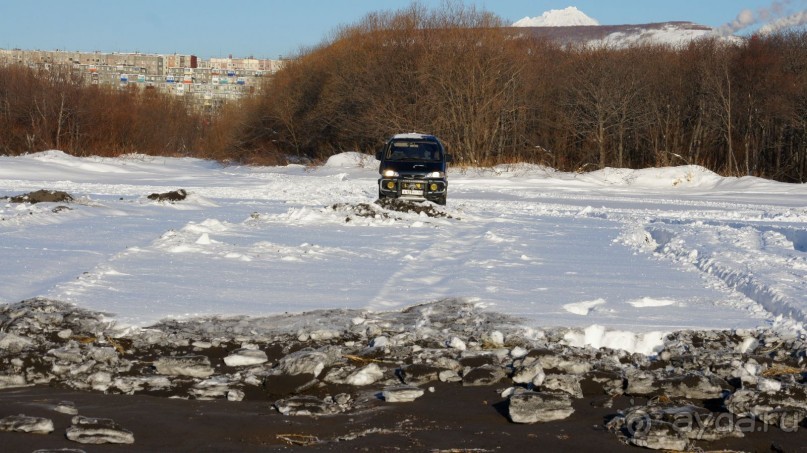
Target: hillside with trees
[(492, 93)]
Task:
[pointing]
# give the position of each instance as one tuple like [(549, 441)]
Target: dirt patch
[(386, 208), (42, 196), (415, 207), (173, 196)]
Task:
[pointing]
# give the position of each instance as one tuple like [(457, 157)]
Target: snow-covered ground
[(676, 35), (620, 255)]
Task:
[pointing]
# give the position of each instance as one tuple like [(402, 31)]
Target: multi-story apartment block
[(207, 82)]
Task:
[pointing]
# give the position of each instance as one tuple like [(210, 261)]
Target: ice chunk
[(403, 394), (456, 343), (26, 424), (245, 357), (192, 365), (88, 430), (535, 407), (14, 343), (365, 376), (304, 362)]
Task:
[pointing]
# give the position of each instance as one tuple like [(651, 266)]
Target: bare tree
[(603, 97)]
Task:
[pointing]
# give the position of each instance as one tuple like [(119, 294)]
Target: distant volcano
[(567, 17)]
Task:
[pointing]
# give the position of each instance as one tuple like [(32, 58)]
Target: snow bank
[(688, 176), (351, 160), (597, 336)]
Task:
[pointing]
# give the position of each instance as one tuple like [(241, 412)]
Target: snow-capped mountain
[(570, 26), (567, 17)]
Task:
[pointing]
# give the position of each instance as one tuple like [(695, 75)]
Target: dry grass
[(781, 370), (364, 360), (303, 440)]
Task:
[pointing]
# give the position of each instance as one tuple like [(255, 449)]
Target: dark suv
[(413, 166)]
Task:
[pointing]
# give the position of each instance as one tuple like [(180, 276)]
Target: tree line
[(54, 109), (492, 93), (496, 94)]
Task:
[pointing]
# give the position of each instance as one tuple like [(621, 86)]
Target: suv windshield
[(414, 151)]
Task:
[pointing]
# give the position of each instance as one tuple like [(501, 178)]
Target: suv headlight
[(390, 174), (436, 174)]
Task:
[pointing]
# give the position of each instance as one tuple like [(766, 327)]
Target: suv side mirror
[(379, 154), (449, 158)]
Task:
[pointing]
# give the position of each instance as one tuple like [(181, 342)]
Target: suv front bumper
[(411, 188)]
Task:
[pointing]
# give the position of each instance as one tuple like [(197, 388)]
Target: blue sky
[(270, 28)]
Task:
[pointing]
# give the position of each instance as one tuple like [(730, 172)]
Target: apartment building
[(208, 83)]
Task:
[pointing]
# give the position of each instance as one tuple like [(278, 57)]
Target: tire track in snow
[(423, 275), (767, 264), (414, 276)]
